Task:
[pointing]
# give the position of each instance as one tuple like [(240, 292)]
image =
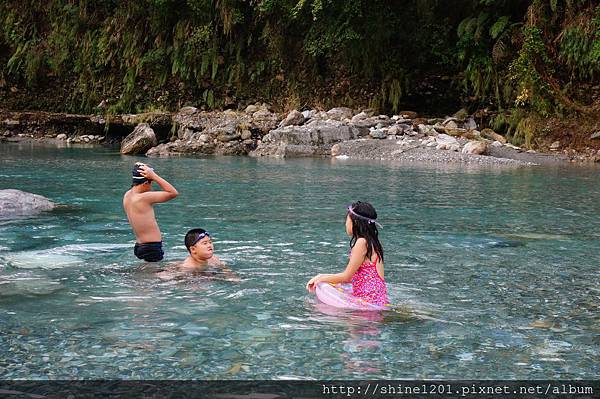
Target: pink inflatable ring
[(341, 296)]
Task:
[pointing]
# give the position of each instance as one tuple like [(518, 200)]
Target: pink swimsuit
[(368, 285)]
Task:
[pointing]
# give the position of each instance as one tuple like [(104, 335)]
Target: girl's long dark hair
[(365, 229)]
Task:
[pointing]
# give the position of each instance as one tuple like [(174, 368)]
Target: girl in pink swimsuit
[(365, 266)]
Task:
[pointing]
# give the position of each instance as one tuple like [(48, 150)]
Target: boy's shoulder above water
[(213, 269)]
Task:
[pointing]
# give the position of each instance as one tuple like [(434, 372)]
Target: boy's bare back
[(140, 214)]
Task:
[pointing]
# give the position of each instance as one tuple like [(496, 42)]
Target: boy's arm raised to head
[(169, 192)]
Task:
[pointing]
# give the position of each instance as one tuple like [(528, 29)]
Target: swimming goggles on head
[(369, 220), (200, 236)]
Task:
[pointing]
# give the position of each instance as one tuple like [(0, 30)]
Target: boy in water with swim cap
[(138, 203), (200, 259)]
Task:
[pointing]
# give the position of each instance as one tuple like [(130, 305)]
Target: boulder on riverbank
[(314, 138), (21, 203), (223, 133), (258, 131), (139, 141), (475, 148)]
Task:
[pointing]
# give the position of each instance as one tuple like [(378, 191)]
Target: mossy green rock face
[(21, 203)]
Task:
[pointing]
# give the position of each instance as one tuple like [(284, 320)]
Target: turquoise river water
[(495, 271)]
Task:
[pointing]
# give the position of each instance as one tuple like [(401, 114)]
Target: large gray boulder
[(314, 138), (21, 203), (139, 141)]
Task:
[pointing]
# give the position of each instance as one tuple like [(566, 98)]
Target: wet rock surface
[(21, 203)]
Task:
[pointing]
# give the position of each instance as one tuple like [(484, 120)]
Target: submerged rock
[(21, 203), (31, 286)]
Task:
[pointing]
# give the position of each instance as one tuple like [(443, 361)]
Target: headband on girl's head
[(200, 236), (369, 220)]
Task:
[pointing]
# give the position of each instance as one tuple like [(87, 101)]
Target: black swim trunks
[(149, 251)]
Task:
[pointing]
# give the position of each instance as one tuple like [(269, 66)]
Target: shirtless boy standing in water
[(138, 203)]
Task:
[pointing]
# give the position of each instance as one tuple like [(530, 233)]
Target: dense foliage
[(534, 57)]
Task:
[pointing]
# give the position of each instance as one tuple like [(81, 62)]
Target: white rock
[(446, 142), (308, 114)]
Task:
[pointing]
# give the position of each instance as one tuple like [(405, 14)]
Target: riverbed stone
[(308, 114), (446, 142), (595, 135), (461, 114), (314, 138), (139, 141), (20, 203), (61, 136), (472, 135), (366, 123), (188, 110), (426, 130), (378, 134), (450, 124), (408, 114), (246, 134), (226, 137), (475, 148), (470, 124), (514, 147), (340, 113), (360, 116), (395, 130), (250, 109), (293, 118), (457, 132), (490, 134)]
